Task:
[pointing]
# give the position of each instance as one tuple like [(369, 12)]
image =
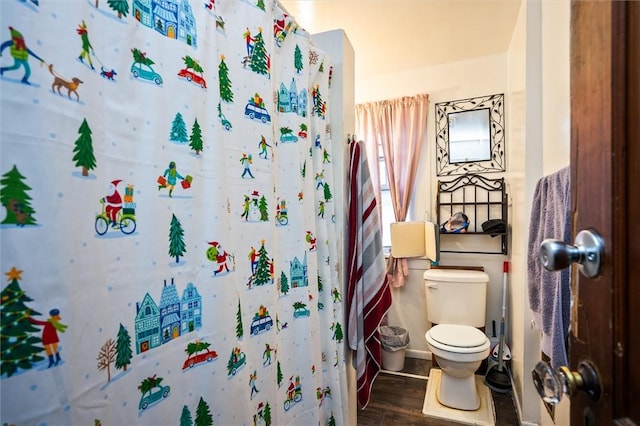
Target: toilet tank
[(456, 296)]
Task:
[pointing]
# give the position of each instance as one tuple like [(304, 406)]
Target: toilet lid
[(459, 336)]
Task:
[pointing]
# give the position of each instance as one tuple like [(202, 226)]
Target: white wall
[(547, 151), (539, 145), (525, 343)]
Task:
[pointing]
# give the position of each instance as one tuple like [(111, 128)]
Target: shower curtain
[(168, 233)]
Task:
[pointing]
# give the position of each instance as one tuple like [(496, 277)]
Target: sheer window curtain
[(399, 125), (367, 131)]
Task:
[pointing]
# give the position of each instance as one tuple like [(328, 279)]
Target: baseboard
[(400, 373), (414, 353), (516, 403)]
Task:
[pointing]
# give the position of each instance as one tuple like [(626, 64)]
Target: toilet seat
[(457, 338)]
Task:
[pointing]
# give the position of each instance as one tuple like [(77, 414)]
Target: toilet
[(456, 306)]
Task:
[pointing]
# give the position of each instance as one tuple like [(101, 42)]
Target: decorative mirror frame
[(496, 162)]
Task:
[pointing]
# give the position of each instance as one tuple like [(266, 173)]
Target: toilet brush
[(497, 377)]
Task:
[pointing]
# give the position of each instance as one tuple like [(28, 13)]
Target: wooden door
[(605, 175)]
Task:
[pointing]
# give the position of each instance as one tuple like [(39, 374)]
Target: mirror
[(470, 136)]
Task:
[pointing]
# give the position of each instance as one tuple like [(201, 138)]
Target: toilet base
[(458, 392)]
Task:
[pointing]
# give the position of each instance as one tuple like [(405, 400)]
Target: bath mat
[(485, 415)]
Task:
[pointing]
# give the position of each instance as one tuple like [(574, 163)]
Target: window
[(382, 122), (388, 216)]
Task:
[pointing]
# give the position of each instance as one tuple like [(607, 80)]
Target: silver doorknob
[(551, 384), (587, 252)]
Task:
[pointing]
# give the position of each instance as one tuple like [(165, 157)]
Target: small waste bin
[(394, 343)]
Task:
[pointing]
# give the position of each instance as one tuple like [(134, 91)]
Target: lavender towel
[(550, 291)]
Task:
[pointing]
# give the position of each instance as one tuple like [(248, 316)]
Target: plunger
[(497, 377)]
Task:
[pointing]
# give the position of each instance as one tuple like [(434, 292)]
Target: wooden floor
[(398, 400)]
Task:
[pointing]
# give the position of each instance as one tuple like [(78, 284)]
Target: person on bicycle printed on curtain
[(113, 201)]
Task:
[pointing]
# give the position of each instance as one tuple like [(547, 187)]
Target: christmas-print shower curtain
[(168, 227)]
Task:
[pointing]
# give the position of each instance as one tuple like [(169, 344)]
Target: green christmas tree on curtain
[(332, 421), (177, 246), (185, 417), (259, 55), (284, 283), (196, 137), (299, 306), (19, 348), (285, 130), (225, 83), (338, 335), (260, 4), (195, 347), (178, 130), (83, 149), (318, 103), (15, 199), (119, 6), (327, 192), (297, 60), (263, 270), (263, 207), (203, 414), (140, 57), (189, 62), (279, 376), (123, 349), (320, 286), (239, 328), (266, 414), (149, 383)]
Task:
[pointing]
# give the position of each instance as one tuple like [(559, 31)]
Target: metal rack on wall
[(480, 199)]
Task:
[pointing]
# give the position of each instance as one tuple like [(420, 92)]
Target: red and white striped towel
[(369, 295)]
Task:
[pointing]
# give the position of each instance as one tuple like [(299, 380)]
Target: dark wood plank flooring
[(398, 400)]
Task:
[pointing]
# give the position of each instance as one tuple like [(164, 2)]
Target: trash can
[(394, 343)]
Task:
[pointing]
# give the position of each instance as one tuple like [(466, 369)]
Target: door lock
[(552, 384), (588, 252)]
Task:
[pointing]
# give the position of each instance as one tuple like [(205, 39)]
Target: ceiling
[(396, 35)]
